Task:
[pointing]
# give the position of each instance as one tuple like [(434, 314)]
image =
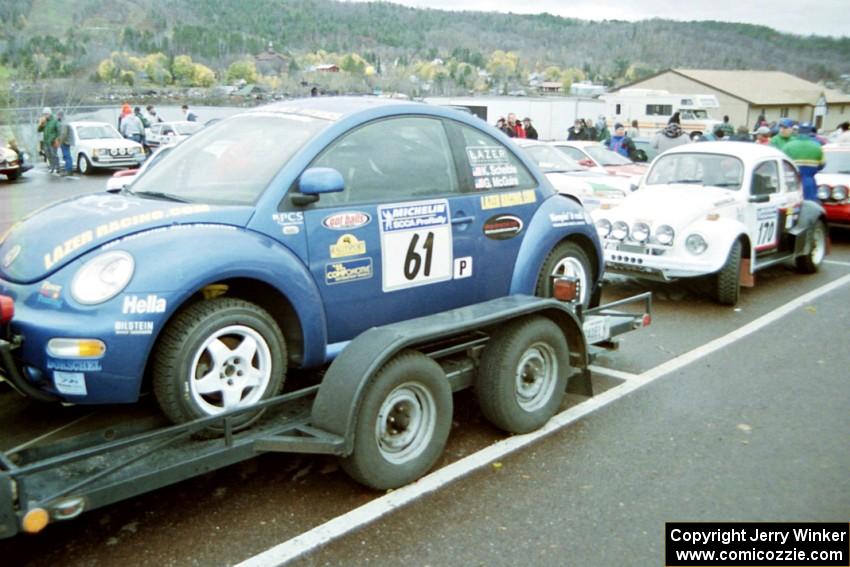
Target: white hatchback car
[(170, 133), (719, 209), (99, 145)]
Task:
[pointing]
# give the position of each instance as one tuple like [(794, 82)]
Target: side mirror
[(759, 198), (586, 162), (317, 181)]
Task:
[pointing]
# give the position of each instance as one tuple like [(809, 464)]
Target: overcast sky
[(823, 17)]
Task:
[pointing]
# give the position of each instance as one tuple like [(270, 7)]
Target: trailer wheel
[(566, 259), (402, 424), (727, 281), (810, 263), (523, 374), (215, 356)]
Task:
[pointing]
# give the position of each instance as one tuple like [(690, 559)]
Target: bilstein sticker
[(347, 220), (133, 327), (347, 245), (502, 227)]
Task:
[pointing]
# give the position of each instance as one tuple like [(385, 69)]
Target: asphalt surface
[(754, 431)]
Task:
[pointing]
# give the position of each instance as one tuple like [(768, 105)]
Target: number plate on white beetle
[(596, 329)]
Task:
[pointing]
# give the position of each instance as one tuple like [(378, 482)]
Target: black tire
[(411, 390), (727, 280), (187, 350), (13, 175), (83, 164), (810, 262), (523, 374), (567, 258)]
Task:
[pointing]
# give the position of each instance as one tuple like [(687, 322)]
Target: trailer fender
[(341, 391)]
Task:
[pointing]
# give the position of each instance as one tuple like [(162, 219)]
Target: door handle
[(462, 219)]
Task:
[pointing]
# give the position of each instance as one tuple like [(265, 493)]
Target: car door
[(153, 137), (770, 210), (399, 241)]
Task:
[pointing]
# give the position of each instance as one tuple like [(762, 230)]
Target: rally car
[(724, 209), (834, 184), (14, 161), (270, 240)]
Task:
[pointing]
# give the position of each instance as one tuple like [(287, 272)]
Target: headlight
[(824, 191), (603, 228), (640, 232), (101, 152), (664, 235), (839, 192), (619, 230), (696, 244), (137, 150), (102, 277)]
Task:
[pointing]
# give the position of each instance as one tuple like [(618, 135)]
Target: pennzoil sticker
[(347, 245), (510, 199), (344, 272), (346, 220), (502, 227)]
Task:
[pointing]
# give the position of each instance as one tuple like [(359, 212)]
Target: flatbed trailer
[(59, 481)]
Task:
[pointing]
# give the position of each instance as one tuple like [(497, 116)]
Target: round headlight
[(619, 230), (603, 228), (664, 234), (696, 244), (824, 191), (640, 232), (839, 192), (102, 277)]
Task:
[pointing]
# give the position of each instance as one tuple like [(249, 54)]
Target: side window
[(792, 178), (573, 153), (765, 179), (489, 164), (392, 159)]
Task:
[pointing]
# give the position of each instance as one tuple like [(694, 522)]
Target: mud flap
[(746, 277)]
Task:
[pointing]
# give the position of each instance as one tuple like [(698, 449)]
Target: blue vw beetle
[(268, 241)]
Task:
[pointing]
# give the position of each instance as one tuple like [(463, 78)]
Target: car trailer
[(384, 406)]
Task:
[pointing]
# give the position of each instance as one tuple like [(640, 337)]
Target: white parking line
[(836, 263), (619, 374), (359, 517)]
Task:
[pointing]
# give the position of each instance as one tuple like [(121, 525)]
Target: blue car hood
[(51, 238)]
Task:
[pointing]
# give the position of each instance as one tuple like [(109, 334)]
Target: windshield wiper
[(687, 181), (160, 195), (727, 184)]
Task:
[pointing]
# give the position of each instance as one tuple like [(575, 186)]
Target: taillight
[(7, 309), (565, 289)]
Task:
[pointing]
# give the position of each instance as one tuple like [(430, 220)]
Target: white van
[(653, 108)]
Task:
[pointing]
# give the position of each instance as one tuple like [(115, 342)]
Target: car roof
[(743, 150), (336, 108), (576, 143), (88, 123)]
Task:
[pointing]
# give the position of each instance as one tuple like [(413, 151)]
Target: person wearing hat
[(808, 155), (742, 134), (49, 127), (602, 132), (530, 131), (785, 135), (670, 137), (621, 143), (763, 135)]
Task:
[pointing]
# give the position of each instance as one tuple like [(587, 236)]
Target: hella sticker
[(346, 220), (134, 305), (502, 227)]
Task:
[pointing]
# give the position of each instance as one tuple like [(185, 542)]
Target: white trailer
[(653, 108)]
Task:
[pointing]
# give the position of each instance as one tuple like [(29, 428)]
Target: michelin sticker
[(344, 272), (347, 245), (416, 244), (70, 383)]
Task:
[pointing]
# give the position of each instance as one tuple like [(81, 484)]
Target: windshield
[(97, 132), (690, 114), (604, 156), (836, 162), (231, 162), (187, 128), (697, 169), (550, 160)]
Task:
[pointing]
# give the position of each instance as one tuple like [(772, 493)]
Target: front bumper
[(654, 263), (837, 213), (117, 161)]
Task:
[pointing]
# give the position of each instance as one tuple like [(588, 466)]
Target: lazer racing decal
[(491, 167), (416, 244)]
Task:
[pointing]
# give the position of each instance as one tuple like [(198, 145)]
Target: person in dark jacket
[(49, 127), (65, 142), (675, 119), (577, 132), (621, 143), (741, 135), (530, 131)]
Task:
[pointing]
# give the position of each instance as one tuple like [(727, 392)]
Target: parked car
[(271, 239), (123, 178), (834, 183), (14, 161), (724, 209), (590, 188), (99, 145), (165, 133), (596, 157)]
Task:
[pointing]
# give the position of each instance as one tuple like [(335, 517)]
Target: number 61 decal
[(416, 244)]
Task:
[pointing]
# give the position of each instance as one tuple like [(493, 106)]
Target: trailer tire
[(810, 262), (566, 259), (218, 355), (523, 374), (728, 281), (410, 390)]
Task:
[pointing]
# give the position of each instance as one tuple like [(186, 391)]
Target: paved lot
[(697, 423)]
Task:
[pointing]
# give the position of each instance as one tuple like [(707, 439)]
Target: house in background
[(744, 95), (270, 62)]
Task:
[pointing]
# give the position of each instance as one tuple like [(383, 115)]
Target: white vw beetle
[(724, 209), (98, 144)]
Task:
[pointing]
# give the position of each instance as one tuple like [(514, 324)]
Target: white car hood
[(675, 205), (108, 143), (833, 179)]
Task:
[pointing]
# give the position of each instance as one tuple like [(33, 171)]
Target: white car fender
[(720, 235)]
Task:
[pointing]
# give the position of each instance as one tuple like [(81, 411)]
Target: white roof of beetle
[(747, 151)]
